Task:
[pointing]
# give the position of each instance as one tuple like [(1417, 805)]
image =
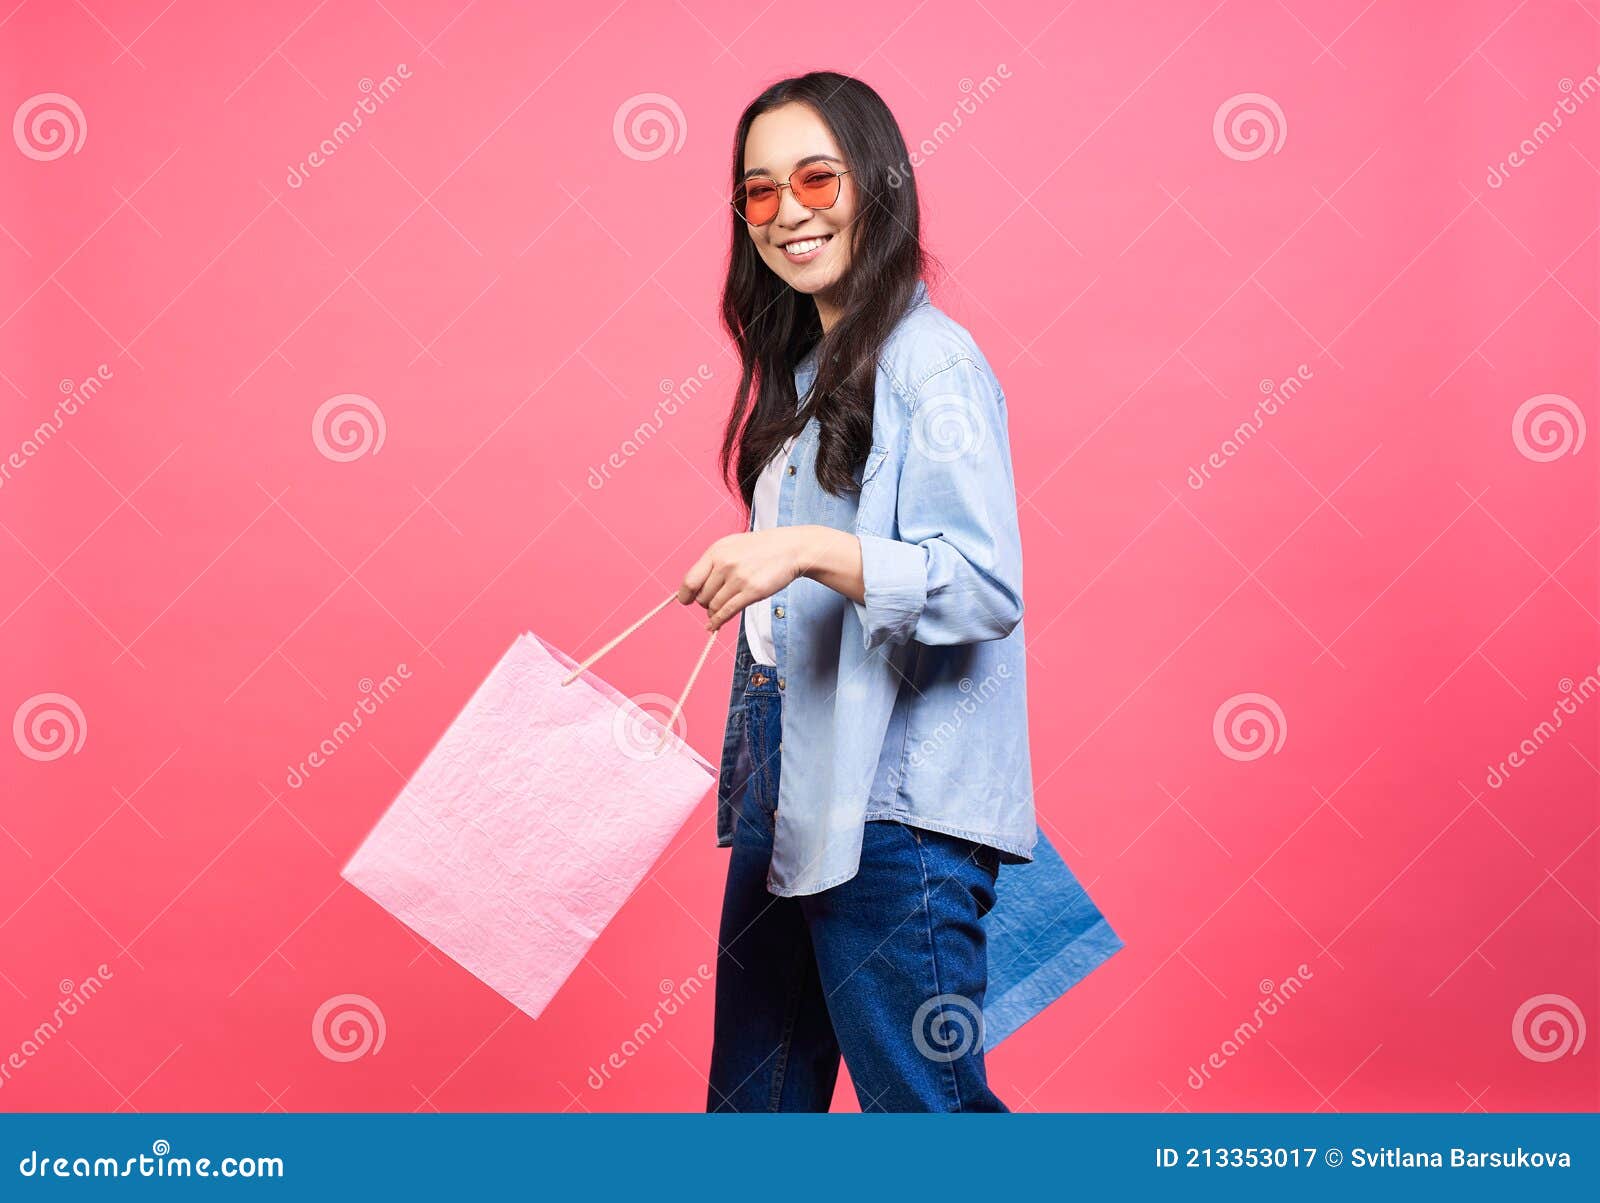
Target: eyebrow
[(808, 159)]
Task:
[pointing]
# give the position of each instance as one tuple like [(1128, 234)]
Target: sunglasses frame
[(780, 185)]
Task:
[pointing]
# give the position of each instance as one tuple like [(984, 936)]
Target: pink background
[(516, 294)]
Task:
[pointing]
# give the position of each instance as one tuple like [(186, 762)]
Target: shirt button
[(791, 469), (780, 682), (777, 611)]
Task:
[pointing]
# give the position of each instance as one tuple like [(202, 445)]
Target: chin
[(810, 285)]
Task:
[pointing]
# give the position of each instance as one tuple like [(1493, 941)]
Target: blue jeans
[(887, 968)]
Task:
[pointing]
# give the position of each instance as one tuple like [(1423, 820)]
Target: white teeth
[(805, 247)]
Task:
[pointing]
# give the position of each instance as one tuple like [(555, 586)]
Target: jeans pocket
[(989, 857), (968, 861)]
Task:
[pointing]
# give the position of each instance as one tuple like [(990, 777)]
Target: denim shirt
[(910, 705)]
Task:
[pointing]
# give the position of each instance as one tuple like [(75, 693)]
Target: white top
[(764, 515)]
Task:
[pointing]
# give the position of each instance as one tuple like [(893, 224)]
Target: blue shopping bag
[(1045, 935)]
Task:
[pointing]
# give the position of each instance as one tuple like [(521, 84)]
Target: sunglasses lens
[(816, 187), (757, 200)]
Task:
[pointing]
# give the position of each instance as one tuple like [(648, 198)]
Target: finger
[(731, 608), (719, 601), (694, 580), (712, 585)]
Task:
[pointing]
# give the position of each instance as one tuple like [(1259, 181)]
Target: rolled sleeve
[(896, 577), (954, 574)]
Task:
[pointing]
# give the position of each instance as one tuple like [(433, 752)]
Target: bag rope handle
[(698, 664)]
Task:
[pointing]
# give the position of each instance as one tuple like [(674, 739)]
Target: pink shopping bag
[(532, 820)]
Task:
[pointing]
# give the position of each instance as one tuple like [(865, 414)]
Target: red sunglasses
[(815, 186)]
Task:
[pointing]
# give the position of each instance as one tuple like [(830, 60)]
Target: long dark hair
[(774, 326)]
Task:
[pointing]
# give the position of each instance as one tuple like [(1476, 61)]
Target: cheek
[(847, 202), (844, 218), (767, 251)]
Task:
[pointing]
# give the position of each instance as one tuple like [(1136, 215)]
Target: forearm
[(832, 558)]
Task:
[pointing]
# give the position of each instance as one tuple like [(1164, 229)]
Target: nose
[(790, 211)]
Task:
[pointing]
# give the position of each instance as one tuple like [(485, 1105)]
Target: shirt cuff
[(895, 574)]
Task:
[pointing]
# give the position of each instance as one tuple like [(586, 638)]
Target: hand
[(739, 569)]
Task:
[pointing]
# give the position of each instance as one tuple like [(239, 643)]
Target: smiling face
[(809, 249)]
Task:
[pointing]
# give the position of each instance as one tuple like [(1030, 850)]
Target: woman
[(880, 650)]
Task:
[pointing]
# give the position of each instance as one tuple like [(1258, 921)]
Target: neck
[(827, 312)]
